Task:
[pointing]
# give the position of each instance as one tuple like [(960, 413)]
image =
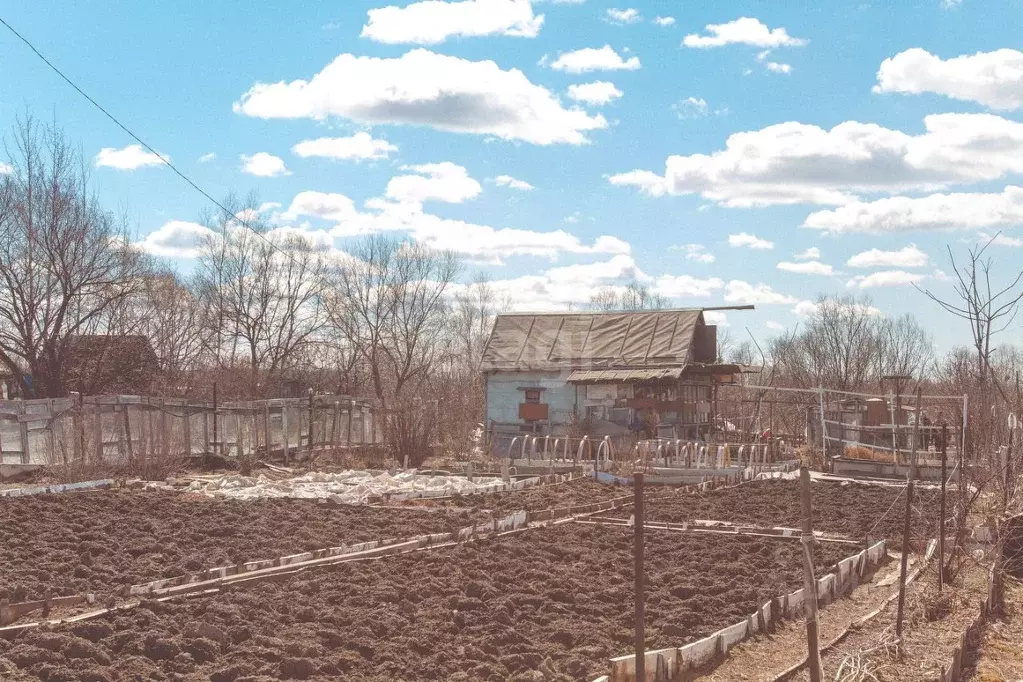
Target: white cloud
[(1001, 239), (775, 67), (596, 93), (775, 326), (176, 239), (690, 107), (807, 268), (512, 183), (594, 59), (623, 16), (6, 168), (360, 146), (695, 252), (480, 243), (994, 79), (129, 158), (715, 317), (207, 157), (908, 257), (794, 163), (742, 31), (323, 205), (264, 165), (744, 293), (950, 4), (445, 181), (686, 286), (745, 239), (955, 211), (812, 253), (430, 22), (572, 285), (664, 21), (885, 278), (424, 88)]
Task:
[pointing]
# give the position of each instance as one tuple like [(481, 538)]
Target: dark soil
[(557, 599), (851, 509), (536, 498), (97, 541)]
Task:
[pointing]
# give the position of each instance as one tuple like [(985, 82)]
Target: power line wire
[(142, 142)]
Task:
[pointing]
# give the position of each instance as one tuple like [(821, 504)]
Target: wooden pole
[(809, 582), (98, 426), (941, 519), (905, 553), (186, 409), (266, 429), (640, 578), (26, 457), (312, 418), (127, 433), (216, 440), (284, 429)]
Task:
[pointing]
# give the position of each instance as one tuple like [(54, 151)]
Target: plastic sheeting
[(541, 342), (350, 487)]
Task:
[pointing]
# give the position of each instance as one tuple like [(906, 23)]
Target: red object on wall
[(532, 412)]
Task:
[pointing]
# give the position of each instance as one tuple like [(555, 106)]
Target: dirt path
[(763, 658), (1001, 652)]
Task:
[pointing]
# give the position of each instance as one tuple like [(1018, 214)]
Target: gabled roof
[(661, 338)]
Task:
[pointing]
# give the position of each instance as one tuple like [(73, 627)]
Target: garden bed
[(555, 600)]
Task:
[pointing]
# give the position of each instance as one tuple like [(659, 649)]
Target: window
[(532, 395)]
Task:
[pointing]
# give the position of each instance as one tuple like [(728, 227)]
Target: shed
[(644, 371)]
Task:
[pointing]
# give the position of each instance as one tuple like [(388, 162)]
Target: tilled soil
[(536, 498), (97, 541), (849, 509), (556, 599)]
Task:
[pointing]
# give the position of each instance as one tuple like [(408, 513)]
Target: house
[(101, 364), (609, 373)]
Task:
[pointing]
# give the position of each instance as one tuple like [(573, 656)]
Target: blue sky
[(721, 142)]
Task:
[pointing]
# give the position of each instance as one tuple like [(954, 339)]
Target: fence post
[(23, 430), (335, 424), (809, 583), (312, 418), (941, 518), (351, 409), (99, 432), (905, 554), (79, 424), (640, 578), (284, 430), (205, 433), (266, 429), (164, 433), (126, 423), (216, 439), (186, 409)]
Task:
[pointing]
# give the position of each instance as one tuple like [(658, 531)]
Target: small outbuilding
[(646, 373)]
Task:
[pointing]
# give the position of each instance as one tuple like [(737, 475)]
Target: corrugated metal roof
[(661, 338), (621, 376)]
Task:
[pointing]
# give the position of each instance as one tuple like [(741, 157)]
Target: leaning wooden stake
[(809, 582), (640, 578)]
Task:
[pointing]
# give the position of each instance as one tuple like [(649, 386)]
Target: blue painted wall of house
[(504, 393)]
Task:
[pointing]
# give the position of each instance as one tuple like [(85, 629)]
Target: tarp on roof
[(624, 376), (591, 340)]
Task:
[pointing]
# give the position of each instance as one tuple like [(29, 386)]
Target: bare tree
[(988, 309), (633, 296), (63, 262), (262, 295), (838, 347)]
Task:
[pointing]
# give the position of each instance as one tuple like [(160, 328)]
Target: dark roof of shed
[(661, 338)]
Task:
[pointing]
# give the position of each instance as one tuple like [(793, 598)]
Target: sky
[(720, 153)]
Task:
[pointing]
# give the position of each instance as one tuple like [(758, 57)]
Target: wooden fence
[(121, 429)]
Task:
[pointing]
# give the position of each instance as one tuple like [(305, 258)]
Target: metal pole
[(824, 432), (639, 576), (809, 583), (941, 520)]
